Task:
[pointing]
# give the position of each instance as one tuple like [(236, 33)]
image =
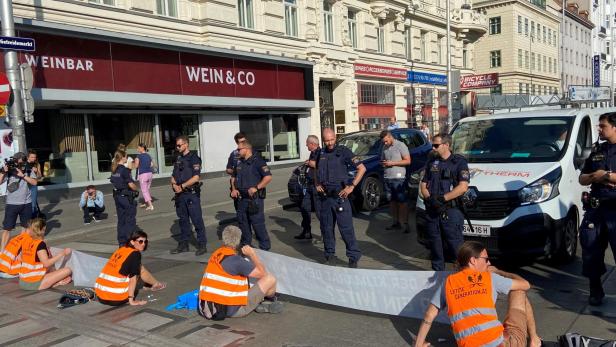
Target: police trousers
[(444, 234), (310, 202), (126, 209), (597, 230), (334, 211), (188, 208), (256, 222)]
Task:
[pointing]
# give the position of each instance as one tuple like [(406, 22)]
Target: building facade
[(576, 47), (522, 46), (130, 71)]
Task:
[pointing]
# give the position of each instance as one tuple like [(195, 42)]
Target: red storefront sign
[(81, 64), (379, 71), (479, 81)]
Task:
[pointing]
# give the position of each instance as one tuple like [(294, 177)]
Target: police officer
[(334, 187), (248, 184), (124, 194), (310, 201), (446, 178), (599, 223), (234, 158), (185, 184)]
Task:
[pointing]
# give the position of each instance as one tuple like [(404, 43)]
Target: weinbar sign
[(82, 64), (488, 80)]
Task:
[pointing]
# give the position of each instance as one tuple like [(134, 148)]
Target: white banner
[(86, 268)]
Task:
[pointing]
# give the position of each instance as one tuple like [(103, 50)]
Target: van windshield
[(513, 140), (361, 144)]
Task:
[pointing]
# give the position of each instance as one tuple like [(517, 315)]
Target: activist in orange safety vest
[(224, 290), (10, 257), (36, 271), (469, 296), (117, 282)]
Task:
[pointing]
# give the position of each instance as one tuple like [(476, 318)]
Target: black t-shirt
[(132, 265), (41, 246)]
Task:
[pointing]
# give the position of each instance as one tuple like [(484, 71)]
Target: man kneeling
[(469, 297), (224, 290)]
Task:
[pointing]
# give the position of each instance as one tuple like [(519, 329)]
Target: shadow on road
[(291, 228)]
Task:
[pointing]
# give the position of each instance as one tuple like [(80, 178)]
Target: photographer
[(33, 165), (18, 196), (92, 201)]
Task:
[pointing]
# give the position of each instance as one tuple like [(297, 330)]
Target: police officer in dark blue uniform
[(334, 187), (234, 158), (599, 224), (310, 200), (248, 184), (185, 183), (124, 194), (446, 178)]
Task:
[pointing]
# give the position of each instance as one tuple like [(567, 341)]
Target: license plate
[(478, 230)]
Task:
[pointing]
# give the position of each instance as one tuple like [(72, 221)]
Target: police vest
[(220, 287), (9, 263), (110, 284), (437, 166), (471, 309), (31, 270), (602, 159), (117, 180), (331, 170)]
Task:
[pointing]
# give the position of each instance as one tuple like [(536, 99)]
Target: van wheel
[(569, 240), (371, 194)]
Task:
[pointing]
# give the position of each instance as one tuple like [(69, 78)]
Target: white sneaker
[(149, 208)]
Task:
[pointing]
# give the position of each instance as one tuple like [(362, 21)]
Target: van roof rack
[(576, 96)]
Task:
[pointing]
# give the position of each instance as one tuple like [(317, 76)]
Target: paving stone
[(21, 328), (215, 335), (145, 321), (78, 340)]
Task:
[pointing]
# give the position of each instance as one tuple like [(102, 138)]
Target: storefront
[(376, 93), (427, 100), (471, 85), (93, 94)]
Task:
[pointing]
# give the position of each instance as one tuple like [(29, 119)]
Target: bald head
[(329, 138)]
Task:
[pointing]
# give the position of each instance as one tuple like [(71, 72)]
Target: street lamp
[(449, 108)]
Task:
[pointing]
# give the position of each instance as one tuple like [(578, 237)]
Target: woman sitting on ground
[(37, 265), (117, 283)]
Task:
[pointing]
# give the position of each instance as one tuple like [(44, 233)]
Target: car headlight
[(542, 189)]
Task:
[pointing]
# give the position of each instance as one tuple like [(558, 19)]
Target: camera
[(12, 163)]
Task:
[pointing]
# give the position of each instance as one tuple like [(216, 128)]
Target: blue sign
[(427, 78), (596, 71), (17, 43)]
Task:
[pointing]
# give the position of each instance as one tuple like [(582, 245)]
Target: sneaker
[(95, 220), (352, 264), (150, 208), (269, 307), (394, 226)]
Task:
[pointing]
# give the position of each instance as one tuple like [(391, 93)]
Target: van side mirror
[(579, 160)]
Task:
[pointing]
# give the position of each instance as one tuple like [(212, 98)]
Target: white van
[(524, 190)]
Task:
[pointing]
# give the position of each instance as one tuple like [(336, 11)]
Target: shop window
[(172, 126), (374, 123), (352, 22), (257, 129), (245, 13), (167, 8), (380, 94), (109, 130), (290, 17), (286, 141), (60, 144)]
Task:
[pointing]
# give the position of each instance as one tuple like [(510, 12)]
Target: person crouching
[(117, 283), (224, 290)]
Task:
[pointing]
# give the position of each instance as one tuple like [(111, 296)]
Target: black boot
[(182, 247), (596, 292), (305, 235), (201, 249)]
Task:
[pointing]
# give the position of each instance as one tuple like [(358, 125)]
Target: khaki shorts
[(255, 297), (515, 333)]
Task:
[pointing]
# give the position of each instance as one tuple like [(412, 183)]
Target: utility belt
[(589, 201), (261, 194), (194, 189), (131, 195)]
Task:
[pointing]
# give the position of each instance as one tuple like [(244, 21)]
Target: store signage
[(589, 94), (17, 43), (83, 64), (488, 80), (5, 89), (596, 70), (379, 71), (426, 78)]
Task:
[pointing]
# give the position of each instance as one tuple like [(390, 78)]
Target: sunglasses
[(487, 259), (436, 145), (141, 242)]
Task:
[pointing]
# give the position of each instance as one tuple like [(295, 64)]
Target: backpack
[(76, 297)]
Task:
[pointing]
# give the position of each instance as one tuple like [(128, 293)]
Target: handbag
[(76, 297)]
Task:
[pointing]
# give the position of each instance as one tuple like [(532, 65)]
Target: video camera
[(13, 163)]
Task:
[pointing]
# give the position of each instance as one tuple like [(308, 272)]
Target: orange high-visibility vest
[(110, 284), (10, 263), (220, 287), (471, 309), (31, 270)]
